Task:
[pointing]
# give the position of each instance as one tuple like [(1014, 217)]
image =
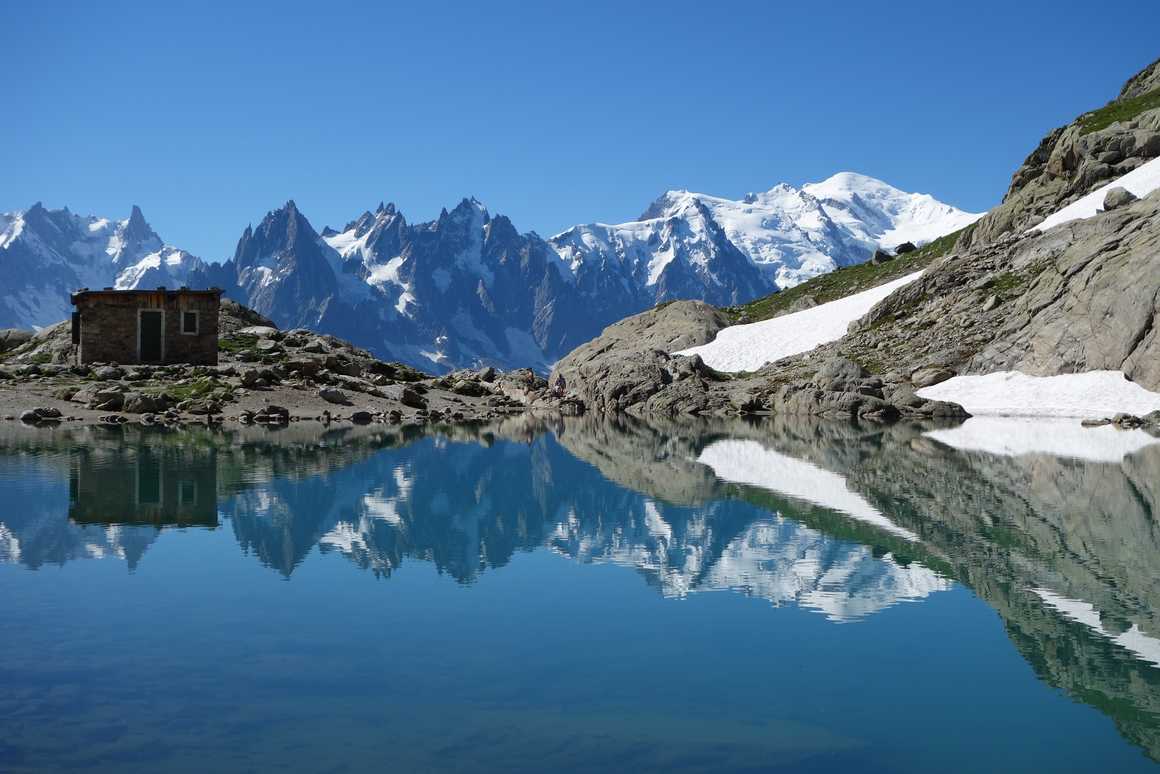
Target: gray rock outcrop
[(1072, 160), (11, 338)]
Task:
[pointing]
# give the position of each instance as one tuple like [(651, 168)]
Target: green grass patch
[(238, 343), (1008, 281), (1120, 110), (198, 389), (844, 281)]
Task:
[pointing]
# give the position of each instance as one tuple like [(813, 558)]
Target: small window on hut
[(189, 323)]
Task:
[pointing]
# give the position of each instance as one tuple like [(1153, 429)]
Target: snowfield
[(1055, 437), (1141, 181), (848, 197), (789, 233), (749, 347), (1011, 393)]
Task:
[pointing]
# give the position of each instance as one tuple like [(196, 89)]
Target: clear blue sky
[(551, 113)]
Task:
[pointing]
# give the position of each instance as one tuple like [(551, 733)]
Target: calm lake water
[(580, 596)]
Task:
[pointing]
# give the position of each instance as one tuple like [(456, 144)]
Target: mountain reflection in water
[(843, 519)]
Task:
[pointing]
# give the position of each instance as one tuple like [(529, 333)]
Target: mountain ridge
[(467, 288)]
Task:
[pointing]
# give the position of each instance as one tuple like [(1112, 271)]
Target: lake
[(580, 595)]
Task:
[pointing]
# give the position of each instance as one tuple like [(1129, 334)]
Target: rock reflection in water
[(839, 518)]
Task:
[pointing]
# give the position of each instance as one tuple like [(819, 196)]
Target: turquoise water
[(573, 597)]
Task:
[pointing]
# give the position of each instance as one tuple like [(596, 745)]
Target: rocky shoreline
[(1082, 296), (265, 376)]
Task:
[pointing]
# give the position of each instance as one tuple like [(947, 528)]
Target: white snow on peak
[(790, 233), (749, 347), (166, 267), (882, 215), (1050, 436), (1141, 181), (11, 224), (1011, 393), (66, 252)]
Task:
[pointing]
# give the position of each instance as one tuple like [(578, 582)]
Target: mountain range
[(469, 288)]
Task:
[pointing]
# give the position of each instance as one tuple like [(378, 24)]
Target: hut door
[(149, 336)]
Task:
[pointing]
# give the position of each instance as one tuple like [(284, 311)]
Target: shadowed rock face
[(628, 364)]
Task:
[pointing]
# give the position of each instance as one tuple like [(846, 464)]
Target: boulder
[(409, 396), (469, 389), (796, 399), (1118, 197), (141, 403), (204, 407), (315, 345), (11, 338), (305, 366), (802, 304), (272, 414), (107, 400), (925, 377), (904, 248), (341, 364), (261, 331), (629, 363), (38, 416), (839, 374), (333, 395), (362, 417), (1127, 421), (880, 257), (108, 373)]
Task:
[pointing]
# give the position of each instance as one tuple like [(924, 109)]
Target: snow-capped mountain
[(47, 254), (468, 288), (464, 289), (788, 234)]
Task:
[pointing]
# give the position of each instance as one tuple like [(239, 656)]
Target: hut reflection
[(157, 485)]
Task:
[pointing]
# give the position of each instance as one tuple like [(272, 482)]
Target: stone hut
[(146, 326)]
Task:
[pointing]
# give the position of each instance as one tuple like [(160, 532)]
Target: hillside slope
[(1078, 297)]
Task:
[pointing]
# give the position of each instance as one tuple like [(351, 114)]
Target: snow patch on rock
[(749, 347), (1011, 393), (1141, 181)]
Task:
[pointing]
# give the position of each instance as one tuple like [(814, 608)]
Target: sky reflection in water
[(541, 600)]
